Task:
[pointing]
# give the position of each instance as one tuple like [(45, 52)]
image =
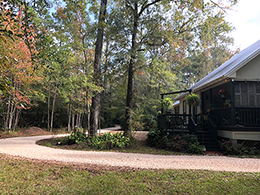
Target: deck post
[(233, 106)]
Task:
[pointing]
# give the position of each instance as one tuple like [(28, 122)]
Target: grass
[(19, 176)]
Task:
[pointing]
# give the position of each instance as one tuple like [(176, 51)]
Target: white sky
[(245, 17)]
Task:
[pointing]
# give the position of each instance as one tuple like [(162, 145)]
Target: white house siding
[(250, 72), (240, 135)]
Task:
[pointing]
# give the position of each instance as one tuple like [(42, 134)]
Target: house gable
[(242, 64), (249, 72)]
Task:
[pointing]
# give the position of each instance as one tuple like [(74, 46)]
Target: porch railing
[(173, 121), (246, 116), (249, 117)]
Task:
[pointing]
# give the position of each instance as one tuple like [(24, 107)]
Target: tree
[(94, 116), (18, 67), (168, 26)]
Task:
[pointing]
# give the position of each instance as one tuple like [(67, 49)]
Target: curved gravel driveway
[(26, 147)]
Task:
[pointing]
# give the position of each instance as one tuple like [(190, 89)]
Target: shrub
[(195, 148), (155, 138), (179, 143), (109, 141), (228, 148), (76, 138), (102, 142)]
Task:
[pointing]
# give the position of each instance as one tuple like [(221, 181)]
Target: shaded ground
[(23, 132)]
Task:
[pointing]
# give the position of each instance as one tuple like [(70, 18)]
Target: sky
[(245, 17)]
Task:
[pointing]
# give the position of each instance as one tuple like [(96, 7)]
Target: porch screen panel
[(238, 100), (244, 94), (257, 90), (244, 99), (251, 94), (237, 95), (258, 100), (252, 100), (247, 94)]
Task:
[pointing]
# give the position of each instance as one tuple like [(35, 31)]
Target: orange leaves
[(60, 13), (140, 72), (17, 45), (22, 101)]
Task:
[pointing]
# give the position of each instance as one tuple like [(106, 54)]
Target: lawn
[(26, 176), (21, 176)]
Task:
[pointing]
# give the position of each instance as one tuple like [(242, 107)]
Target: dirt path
[(26, 147)]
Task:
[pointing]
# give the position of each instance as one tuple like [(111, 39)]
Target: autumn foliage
[(17, 47)]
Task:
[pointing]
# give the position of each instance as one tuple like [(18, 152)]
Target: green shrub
[(76, 138), (196, 148), (101, 142), (228, 148), (155, 138), (179, 143), (109, 141)]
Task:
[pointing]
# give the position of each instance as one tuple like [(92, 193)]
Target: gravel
[(25, 147)]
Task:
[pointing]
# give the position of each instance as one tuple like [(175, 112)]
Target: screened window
[(247, 94)]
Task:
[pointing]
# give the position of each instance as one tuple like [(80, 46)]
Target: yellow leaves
[(3, 38), (176, 45)]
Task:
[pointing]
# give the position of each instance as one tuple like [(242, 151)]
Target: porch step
[(206, 139)]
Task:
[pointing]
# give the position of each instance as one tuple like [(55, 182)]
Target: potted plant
[(167, 103), (193, 100)]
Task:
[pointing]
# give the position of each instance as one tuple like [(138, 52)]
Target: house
[(230, 101)]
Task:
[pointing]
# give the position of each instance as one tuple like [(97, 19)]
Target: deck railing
[(248, 117), (173, 121)]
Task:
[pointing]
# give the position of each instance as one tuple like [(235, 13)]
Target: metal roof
[(228, 68)]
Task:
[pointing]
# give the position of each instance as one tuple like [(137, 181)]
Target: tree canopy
[(60, 59)]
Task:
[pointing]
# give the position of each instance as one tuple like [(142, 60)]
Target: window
[(247, 94)]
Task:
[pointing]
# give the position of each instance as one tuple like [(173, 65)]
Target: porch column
[(202, 102), (233, 106)]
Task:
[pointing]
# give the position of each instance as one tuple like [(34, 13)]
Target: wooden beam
[(176, 92)]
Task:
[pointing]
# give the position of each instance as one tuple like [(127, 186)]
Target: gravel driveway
[(26, 147)]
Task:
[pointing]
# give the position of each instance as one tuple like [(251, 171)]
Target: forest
[(93, 64)]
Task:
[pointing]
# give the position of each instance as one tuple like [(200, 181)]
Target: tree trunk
[(8, 113), (73, 122), (53, 105), (131, 69), (88, 112), (11, 117), (78, 120), (69, 119), (16, 118), (94, 112), (48, 117)]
